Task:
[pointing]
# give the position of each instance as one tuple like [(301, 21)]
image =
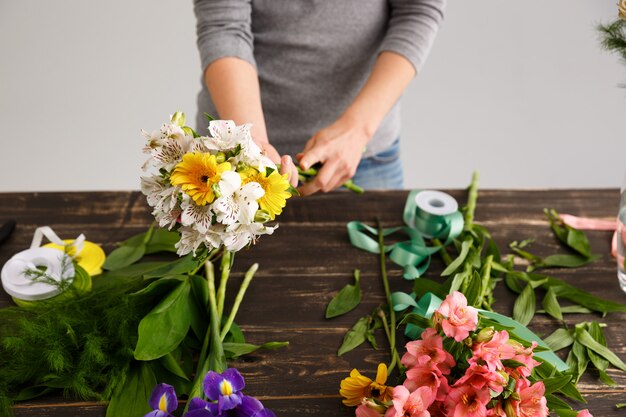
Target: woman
[(319, 79)]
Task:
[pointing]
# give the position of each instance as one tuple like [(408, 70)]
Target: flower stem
[(472, 196), (392, 313), (238, 299), (445, 256), (395, 359), (227, 258)]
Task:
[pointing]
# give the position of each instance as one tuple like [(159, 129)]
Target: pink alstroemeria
[(412, 404), (525, 356), (465, 401), (532, 402), (430, 377), (364, 411), (456, 317), (481, 377), (494, 351), (428, 352), (584, 413)]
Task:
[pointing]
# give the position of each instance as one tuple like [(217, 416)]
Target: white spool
[(16, 283), (436, 203)]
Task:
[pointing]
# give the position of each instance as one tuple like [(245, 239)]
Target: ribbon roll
[(427, 214), (37, 274)]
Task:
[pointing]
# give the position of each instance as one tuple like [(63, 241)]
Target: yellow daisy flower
[(197, 174), (356, 387), (275, 186)]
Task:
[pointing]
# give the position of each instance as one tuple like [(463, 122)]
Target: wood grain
[(310, 258)]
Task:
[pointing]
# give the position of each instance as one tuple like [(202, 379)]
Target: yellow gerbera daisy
[(197, 174), (276, 189), (356, 387)]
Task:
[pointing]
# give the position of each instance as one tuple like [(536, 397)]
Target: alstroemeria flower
[(237, 203), (584, 413), (456, 317), (532, 401), (494, 351), (413, 404), (428, 352), (466, 401), (239, 235), (226, 135), (163, 401), (430, 377), (481, 377), (225, 388)]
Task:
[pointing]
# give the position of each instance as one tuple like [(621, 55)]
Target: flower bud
[(220, 157), (242, 166), (369, 403), (622, 9), (485, 335), (178, 119), (261, 216), (216, 190), (509, 409)]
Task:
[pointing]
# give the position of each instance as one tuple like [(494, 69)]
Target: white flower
[(226, 135), (194, 215), (237, 203), (190, 241), (162, 196), (167, 219), (240, 235)]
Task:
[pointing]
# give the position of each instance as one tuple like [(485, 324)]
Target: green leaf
[(162, 240), (235, 335), (416, 319), (555, 403), (184, 265), (32, 392), (556, 383), (588, 341), (346, 300), (573, 238), (159, 287), (234, 350), (561, 338), (561, 412), (465, 247), (355, 336), (132, 398), (124, 256), (582, 360), (524, 307), (473, 288), (422, 286), (551, 304), (170, 363), (162, 330), (583, 298), (567, 261)]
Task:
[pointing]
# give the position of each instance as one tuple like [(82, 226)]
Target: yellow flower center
[(226, 388)]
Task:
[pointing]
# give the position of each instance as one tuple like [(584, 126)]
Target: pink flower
[(584, 413), (414, 404), (456, 318), (494, 351), (525, 356), (480, 377), (465, 401), (428, 352), (430, 377), (532, 403), (364, 411)]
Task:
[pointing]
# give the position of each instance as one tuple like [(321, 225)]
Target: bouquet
[(217, 191), (462, 366)]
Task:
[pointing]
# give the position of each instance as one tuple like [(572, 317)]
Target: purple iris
[(225, 388), (201, 408), (251, 407), (163, 401)]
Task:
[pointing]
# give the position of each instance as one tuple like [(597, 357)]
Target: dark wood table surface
[(307, 260)]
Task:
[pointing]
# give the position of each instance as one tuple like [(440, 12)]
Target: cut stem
[(392, 313), (472, 197), (238, 299), (227, 258)]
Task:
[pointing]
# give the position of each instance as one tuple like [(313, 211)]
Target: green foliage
[(613, 37), (346, 300)]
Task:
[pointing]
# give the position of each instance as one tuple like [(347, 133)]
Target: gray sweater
[(313, 56)]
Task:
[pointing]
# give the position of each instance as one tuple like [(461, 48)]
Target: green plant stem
[(227, 258), (203, 360), (445, 256), (472, 197), (395, 357), (392, 313), (238, 299)]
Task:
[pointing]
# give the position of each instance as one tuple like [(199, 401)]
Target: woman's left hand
[(339, 147)]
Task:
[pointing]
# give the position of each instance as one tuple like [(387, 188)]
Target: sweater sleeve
[(412, 27), (224, 29)]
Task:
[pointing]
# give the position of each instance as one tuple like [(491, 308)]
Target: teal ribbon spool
[(427, 305), (427, 215)]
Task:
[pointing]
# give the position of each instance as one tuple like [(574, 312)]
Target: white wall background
[(520, 91)]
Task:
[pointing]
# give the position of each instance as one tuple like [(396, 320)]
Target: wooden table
[(307, 260)]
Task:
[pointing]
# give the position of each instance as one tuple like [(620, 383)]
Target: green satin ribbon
[(413, 255), (427, 305)]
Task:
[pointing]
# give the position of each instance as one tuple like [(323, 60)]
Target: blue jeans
[(381, 171)]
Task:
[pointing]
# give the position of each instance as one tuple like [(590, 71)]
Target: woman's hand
[(286, 163), (339, 148)]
